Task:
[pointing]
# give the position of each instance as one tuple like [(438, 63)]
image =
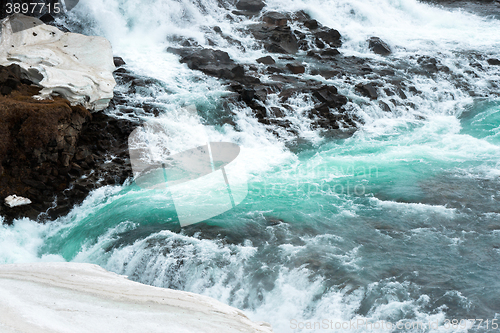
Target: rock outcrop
[(52, 152), (76, 67), (378, 46)]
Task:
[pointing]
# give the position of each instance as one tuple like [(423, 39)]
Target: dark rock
[(330, 53), (276, 40), (200, 58), (118, 61), (273, 70), (378, 46), (368, 90), (431, 65), (275, 19), (311, 24), (250, 5), (330, 97), (296, 68), (384, 106), (47, 18), (330, 37), (268, 60), (494, 62), (247, 95), (319, 43)]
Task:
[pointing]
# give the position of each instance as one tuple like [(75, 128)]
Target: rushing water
[(400, 222)]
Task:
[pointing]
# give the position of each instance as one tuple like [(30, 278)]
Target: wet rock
[(329, 36), (330, 96), (378, 46), (494, 62), (275, 19), (118, 61), (330, 53), (431, 65), (311, 24), (296, 68), (274, 70), (250, 5), (276, 40), (368, 90), (268, 60), (247, 94)]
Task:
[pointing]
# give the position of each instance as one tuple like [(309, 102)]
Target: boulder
[(329, 36), (296, 68), (494, 62), (378, 46), (368, 90), (61, 63), (275, 19), (311, 24), (276, 40), (250, 5), (268, 60), (118, 61)]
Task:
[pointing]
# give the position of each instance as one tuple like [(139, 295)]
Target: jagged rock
[(275, 19), (494, 62), (378, 46), (118, 61), (330, 36), (431, 65), (267, 60), (276, 40), (61, 63), (311, 24), (250, 5), (212, 62), (368, 90)]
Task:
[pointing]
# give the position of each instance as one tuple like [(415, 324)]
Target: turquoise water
[(401, 226)]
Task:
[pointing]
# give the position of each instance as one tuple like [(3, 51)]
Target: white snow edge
[(14, 201), (76, 297)]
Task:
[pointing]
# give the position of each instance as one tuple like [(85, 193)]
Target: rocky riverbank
[(54, 153)]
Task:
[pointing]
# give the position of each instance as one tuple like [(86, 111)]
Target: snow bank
[(14, 201), (74, 297), (77, 67)]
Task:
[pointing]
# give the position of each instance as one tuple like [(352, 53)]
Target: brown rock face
[(47, 146)]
